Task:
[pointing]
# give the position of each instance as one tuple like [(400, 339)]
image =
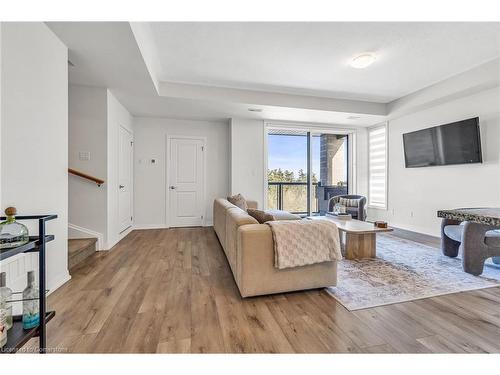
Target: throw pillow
[(349, 202), (239, 201), (260, 216)]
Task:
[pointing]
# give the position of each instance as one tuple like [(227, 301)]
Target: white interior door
[(125, 179), (186, 171)]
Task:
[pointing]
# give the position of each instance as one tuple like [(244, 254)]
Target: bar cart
[(17, 335)]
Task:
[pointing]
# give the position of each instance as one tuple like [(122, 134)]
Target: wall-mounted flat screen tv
[(455, 143)]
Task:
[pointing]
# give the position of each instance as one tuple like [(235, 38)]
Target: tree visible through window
[(288, 155)]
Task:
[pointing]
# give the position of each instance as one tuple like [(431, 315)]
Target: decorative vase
[(12, 233)]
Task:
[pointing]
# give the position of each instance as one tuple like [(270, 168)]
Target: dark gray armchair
[(477, 242), (357, 212)]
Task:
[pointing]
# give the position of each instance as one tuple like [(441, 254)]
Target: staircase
[(80, 249)]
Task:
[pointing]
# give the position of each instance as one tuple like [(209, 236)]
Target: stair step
[(80, 249)]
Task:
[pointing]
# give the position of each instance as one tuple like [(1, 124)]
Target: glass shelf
[(21, 299), (31, 246)]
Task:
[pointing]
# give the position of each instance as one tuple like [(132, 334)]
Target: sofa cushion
[(455, 232), (272, 215), (224, 203), (282, 215), (239, 201), (219, 217), (493, 238), (235, 218), (260, 216)]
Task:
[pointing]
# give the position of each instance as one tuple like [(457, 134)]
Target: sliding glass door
[(305, 169), (330, 162), (287, 170)]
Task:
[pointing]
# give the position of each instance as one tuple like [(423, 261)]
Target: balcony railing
[(291, 196)]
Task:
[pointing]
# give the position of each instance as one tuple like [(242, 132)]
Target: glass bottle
[(5, 298), (31, 309), (12, 233)]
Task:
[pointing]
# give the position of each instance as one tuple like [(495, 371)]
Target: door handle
[(173, 187), (121, 186)]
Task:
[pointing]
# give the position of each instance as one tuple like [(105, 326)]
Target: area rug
[(405, 271)]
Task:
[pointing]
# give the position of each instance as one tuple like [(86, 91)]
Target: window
[(377, 167)]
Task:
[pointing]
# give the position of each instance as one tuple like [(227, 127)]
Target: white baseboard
[(163, 226), (149, 226), (86, 233)]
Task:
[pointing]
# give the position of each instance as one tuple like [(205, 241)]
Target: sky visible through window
[(289, 152)]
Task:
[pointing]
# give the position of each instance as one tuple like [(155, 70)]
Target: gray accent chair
[(358, 212), (477, 242)]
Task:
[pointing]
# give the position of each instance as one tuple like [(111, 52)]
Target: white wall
[(95, 117), (247, 159), (149, 180), (88, 133), (415, 194), (117, 116), (35, 139)]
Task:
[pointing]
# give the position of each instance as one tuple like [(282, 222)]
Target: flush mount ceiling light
[(255, 109), (364, 60)]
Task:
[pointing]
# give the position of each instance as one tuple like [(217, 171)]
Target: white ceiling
[(313, 58), (304, 59), (104, 54)]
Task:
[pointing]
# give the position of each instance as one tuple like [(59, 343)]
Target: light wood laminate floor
[(171, 291)]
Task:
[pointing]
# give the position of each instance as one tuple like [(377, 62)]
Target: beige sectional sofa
[(249, 249)]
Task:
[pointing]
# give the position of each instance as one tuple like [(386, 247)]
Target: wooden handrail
[(98, 181)]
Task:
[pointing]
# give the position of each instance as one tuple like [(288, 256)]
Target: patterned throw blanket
[(302, 242)]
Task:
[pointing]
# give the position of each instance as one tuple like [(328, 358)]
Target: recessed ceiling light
[(363, 60), (255, 109), (353, 117)]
